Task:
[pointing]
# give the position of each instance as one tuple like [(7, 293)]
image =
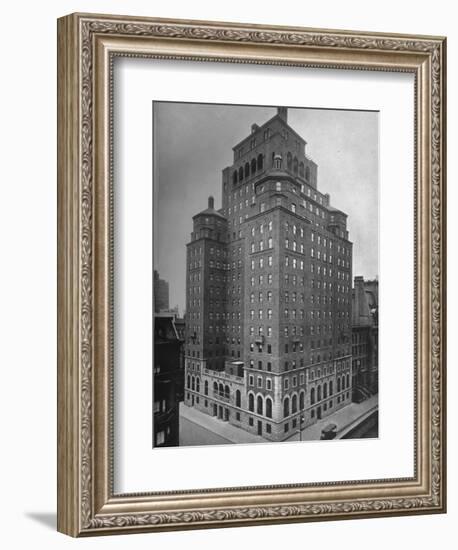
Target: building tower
[(268, 339)]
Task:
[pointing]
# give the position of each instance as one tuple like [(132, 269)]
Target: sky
[(192, 143)]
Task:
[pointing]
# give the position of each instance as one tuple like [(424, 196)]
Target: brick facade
[(268, 330)]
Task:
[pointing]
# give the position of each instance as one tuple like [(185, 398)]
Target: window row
[(261, 245), (249, 169), (260, 405), (261, 263), (261, 228)]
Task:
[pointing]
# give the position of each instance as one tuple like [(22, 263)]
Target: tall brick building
[(268, 330)]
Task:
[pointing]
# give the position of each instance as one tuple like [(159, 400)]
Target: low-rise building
[(168, 380)]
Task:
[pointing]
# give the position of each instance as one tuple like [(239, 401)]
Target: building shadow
[(47, 519)]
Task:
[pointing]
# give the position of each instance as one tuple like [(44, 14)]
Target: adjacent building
[(364, 338), (268, 306), (161, 293), (168, 381)]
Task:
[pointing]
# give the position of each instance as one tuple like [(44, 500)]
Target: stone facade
[(364, 338), (268, 323)]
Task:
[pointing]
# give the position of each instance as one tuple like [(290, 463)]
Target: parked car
[(358, 397), (329, 432)]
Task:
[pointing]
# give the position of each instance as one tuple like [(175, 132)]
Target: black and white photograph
[(266, 274)]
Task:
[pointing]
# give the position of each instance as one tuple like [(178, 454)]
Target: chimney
[(282, 112), (211, 202)]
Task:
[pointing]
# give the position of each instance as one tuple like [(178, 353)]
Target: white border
[(137, 467)]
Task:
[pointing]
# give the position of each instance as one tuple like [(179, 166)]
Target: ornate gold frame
[(86, 46)]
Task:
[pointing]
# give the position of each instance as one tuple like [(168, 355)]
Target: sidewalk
[(221, 429), (343, 418)]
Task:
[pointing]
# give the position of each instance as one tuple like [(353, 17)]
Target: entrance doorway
[(318, 413), (259, 427)]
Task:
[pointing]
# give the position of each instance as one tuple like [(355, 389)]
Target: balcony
[(222, 374), (221, 396)]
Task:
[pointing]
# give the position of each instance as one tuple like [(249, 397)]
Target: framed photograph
[(251, 283)]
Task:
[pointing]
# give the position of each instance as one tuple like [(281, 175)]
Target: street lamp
[(301, 421)]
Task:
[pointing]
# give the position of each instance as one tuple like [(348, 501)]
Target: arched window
[(259, 405), (215, 387), (338, 384), (301, 169), (221, 390), (331, 390), (193, 383), (227, 392), (289, 161), (302, 401), (286, 407), (312, 396), (343, 382), (307, 173), (247, 169), (238, 399), (318, 393), (198, 385), (269, 407), (240, 173), (251, 402), (325, 390), (260, 161), (234, 177), (253, 166), (188, 383), (206, 387), (295, 165), (294, 404), (348, 380)]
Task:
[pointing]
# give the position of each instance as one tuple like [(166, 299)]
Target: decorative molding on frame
[(86, 28)]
